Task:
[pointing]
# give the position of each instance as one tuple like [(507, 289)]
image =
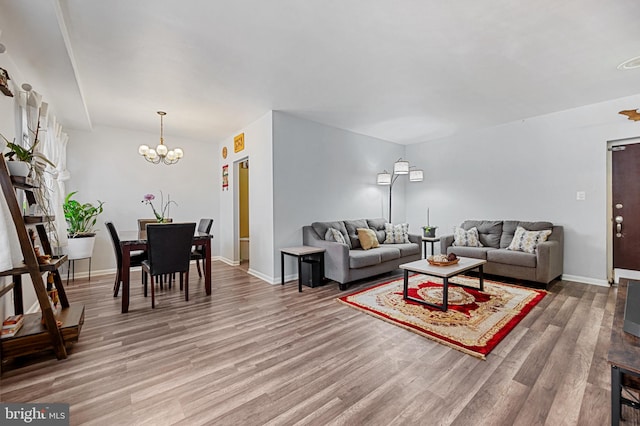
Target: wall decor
[(238, 143), (224, 152), (4, 82), (632, 114), (225, 177)]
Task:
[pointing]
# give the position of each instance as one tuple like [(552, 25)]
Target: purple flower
[(149, 197)]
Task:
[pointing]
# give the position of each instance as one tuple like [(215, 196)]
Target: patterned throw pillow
[(527, 241), (396, 234), (368, 238), (337, 236), (468, 238)]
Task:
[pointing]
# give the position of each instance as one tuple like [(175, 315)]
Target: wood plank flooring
[(260, 354)]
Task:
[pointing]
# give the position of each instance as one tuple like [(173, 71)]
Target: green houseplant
[(81, 220)]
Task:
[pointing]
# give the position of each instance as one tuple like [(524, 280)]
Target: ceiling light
[(161, 154), (630, 64)]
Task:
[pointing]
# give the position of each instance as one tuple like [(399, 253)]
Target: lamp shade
[(384, 178), (416, 175), (401, 167)]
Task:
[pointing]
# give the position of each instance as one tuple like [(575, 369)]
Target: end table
[(432, 241), (301, 253)]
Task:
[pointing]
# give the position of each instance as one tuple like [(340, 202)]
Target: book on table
[(10, 332), (12, 321)]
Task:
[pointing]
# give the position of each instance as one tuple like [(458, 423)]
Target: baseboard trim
[(229, 261), (262, 276), (585, 280), (625, 273)]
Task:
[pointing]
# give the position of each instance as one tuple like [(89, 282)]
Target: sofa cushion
[(466, 238), (359, 258), (527, 241), (368, 238), (489, 231), (408, 249), (378, 226), (518, 258), (396, 234), (509, 229), (334, 235), (388, 252), (474, 252), (322, 227), (352, 231)]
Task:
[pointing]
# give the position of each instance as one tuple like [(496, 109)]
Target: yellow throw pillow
[(367, 238)]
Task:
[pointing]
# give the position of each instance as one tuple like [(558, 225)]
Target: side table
[(301, 253), (426, 240)]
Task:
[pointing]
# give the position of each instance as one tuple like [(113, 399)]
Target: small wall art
[(225, 177), (238, 143), (224, 152)]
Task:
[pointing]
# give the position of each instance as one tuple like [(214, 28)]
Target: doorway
[(624, 209), (243, 211)]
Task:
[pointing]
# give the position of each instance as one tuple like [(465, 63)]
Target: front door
[(625, 179)]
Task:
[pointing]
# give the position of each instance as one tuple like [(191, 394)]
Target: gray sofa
[(349, 262), (543, 266)]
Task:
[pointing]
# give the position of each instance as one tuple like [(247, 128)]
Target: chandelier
[(161, 154)]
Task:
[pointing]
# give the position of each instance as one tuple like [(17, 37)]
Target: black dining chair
[(136, 257), (198, 252), (169, 251), (142, 223)]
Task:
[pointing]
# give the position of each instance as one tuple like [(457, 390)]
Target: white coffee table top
[(301, 250), (424, 267)]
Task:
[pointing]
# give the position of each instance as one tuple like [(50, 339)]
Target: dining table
[(137, 240)]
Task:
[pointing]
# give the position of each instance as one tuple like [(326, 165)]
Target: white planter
[(80, 248), (18, 168)]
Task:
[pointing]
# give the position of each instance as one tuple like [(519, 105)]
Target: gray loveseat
[(349, 262), (543, 266)]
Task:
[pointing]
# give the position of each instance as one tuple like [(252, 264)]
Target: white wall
[(529, 170), (105, 165), (322, 173), (258, 140)]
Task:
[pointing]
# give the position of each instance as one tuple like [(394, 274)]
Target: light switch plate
[(581, 195)]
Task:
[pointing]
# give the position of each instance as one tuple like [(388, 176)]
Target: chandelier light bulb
[(143, 149), (161, 150), (161, 154), (171, 155), (152, 154), (179, 153)]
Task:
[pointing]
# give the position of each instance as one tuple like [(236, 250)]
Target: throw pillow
[(468, 238), (337, 236), (396, 234), (368, 238), (527, 241)]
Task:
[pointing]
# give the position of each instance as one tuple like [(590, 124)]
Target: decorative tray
[(447, 263)]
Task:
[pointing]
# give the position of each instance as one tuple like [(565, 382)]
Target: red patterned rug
[(475, 322)]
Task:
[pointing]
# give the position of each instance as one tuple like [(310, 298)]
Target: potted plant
[(81, 219), (21, 160), (429, 231)]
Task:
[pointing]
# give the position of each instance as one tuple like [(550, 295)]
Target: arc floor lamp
[(400, 167)]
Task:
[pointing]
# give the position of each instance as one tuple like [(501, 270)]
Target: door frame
[(614, 275), (236, 210)]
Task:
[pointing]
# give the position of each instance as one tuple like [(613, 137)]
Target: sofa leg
[(343, 287)]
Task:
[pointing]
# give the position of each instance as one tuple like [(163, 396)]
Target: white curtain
[(54, 147)]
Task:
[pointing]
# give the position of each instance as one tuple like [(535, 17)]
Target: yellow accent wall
[(244, 201)]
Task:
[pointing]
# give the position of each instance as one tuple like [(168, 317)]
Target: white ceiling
[(405, 71)]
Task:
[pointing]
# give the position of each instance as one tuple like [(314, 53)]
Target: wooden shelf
[(34, 220), (33, 336), (23, 182), (53, 265), (6, 289)]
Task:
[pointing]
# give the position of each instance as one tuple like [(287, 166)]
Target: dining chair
[(198, 253), (136, 257), (169, 251), (142, 223)]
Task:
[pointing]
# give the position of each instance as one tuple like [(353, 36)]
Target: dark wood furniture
[(142, 223), (430, 240), (135, 258), (137, 240), (301, 253), (198, 252), (624, 356), (40, 331), (169, 253)]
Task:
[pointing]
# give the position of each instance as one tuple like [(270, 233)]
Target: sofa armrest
[(416, 239), (336, 255), (446, 241), (550, 259)]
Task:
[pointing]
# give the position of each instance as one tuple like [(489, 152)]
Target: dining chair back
[(136, 258), (142, 223), (198, 253), (169, 252)]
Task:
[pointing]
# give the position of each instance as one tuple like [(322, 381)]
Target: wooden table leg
[(207, 261), (126, 266)]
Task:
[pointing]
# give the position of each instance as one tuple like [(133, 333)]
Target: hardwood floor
[(254, 354)]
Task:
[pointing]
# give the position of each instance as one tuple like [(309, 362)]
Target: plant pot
[(431, 233), (19, 168), (81, 247)]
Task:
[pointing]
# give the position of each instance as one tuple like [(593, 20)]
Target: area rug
[(475, 322)]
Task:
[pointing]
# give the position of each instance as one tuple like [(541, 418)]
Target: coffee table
[(444, 272)]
